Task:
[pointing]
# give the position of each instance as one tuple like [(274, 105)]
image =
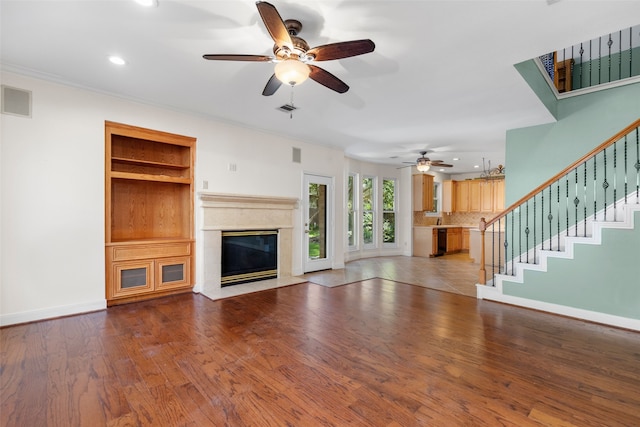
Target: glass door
[(317, 225)]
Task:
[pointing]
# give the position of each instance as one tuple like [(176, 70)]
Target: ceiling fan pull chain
[(292, 106)]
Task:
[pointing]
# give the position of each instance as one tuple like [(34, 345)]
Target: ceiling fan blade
[(327, 79), (251, 58), (274, 24), (341, 50), (272, 86), (441, 165)]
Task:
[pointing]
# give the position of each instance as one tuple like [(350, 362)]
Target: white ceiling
[(441, 77)]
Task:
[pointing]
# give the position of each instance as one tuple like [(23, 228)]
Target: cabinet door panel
[(462, 196), (172, 273), (486, 196), (422, 192), (131, 278), (498, 196), (474, 196)]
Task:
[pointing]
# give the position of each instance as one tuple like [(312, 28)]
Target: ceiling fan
[(292, 54), (423, 163)]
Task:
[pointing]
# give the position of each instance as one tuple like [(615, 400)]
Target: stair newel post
[(483, 274)]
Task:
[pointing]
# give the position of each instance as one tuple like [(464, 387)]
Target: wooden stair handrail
[(563, 172), (482, 276)]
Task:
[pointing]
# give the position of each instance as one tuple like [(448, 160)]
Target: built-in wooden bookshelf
[(149, 186)]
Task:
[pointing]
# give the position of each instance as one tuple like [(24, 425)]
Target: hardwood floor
[(371, 353)]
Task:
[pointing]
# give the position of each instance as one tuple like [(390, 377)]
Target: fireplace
[(222, 213), (248, 256)]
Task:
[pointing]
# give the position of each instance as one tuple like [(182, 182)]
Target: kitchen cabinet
[(149, 238), (486, 196), (498, 195), (448, 196), (422, 192), (462, 196), (464, 245), (454, 239), (479, 196), (425, 241)]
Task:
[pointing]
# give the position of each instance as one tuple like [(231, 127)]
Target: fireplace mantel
[(241, 212), (223, 212)]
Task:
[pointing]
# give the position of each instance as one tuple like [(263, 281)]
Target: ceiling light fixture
[(117, 60), (292, 72), (423, 166), (456, 158)]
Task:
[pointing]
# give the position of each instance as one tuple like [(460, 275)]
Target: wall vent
[(296, 155), (16, 101)]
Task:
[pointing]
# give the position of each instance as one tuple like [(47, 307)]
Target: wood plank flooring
[(371, 353)]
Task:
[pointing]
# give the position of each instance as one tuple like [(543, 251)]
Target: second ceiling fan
[(423, 163), (292, 54)]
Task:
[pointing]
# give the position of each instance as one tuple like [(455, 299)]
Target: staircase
[(535, 252)]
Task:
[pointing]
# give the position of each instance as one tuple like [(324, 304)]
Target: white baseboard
[(491, 294), (51, 312)]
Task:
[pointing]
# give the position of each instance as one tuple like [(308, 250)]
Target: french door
[(318, 230)]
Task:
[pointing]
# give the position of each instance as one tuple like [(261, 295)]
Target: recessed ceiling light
[(147, 3), (456, 158), (117, 60), (441, 170), (476, 166)]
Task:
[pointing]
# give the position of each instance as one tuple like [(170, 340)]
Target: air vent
[(16, 101), (287, 108), (296, 155)]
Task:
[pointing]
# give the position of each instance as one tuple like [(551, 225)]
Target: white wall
[(52, 190)]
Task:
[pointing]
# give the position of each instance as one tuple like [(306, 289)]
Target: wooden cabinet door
[(486, 196), (462, 196), (131, 278), (475, 196), (498, 195), (173, 272), (465, 239), (422, 192), (448, 194), (453, 240)]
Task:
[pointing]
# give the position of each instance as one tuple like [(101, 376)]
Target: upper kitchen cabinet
[(448, 196), (498, 195), (422, 192), (478, 195), (462, 196)]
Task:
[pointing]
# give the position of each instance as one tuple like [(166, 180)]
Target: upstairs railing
[(610, 58), (590, 189)]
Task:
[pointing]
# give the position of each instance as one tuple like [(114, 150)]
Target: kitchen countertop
[(446, 226)]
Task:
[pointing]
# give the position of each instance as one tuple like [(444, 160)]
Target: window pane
[(367, 227), (351, 230), (367, 194), (350, 193), (351, 215), (389, 227), (389, 194)]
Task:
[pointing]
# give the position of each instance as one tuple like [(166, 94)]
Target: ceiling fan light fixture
[(292, 72), (423, 167)]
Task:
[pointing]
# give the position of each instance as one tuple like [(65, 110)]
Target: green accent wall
[(603, 278), (535, 154)]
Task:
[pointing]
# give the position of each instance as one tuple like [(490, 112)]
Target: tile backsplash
[(456, 218)]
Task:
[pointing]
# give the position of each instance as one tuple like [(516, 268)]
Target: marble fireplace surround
[(227, 212)]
